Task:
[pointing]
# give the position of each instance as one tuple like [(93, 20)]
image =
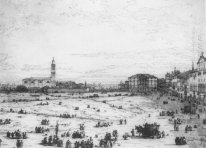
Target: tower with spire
[(53, 70)]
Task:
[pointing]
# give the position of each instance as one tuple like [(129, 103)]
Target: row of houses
[(192, 82)]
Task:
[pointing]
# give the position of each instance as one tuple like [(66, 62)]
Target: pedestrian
[(21, 143), (132, 132), (68, 144), (0, 142), (18, 144)]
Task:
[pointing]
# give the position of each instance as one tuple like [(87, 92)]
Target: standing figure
[(68, 144)]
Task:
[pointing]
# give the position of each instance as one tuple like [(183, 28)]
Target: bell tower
[(53, 70)]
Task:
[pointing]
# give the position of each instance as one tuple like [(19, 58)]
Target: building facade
[(142, 83), (39, 82), (197, 80)]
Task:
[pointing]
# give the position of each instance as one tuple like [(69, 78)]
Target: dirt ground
[(134, 108)]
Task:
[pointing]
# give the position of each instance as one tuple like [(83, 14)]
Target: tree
[(45, 89), (21, 88), (162, 85)]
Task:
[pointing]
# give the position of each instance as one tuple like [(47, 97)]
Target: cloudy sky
[(98, 40)]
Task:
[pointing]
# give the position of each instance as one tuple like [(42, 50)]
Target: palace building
[(197, 81), (39, 82), (142, 83)]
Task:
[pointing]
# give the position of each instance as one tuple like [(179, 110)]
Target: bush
[(21, 89)]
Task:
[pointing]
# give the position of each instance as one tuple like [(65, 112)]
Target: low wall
[(55, 90)]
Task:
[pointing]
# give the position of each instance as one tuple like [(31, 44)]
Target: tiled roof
[(201, 57), (143, 75), (37, 78)]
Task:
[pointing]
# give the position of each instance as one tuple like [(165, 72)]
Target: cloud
[(28, 67), (4, 64), (105, 55), (104, 70)]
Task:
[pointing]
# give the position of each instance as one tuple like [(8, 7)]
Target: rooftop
[(38, 78), (143, 75)]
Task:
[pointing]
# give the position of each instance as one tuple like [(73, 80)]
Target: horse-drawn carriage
[(149, 131)]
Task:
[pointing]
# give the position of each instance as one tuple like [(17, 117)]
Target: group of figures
[(188, 128), (168, 113), (180, 141), (16, 135), (78, 134), (42, 104), (52, 141), (149, 131), (65, 134), (6, 121), (11, 110), (67, 116), (103, 124), (83, 144), (22, 112), (19, 143), (45, 122), (81, 126), (109, 139), (41, 130), (177, 122), (121, 121)]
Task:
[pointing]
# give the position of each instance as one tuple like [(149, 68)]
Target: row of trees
[(19, 88)]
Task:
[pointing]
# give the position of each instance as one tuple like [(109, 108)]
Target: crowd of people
[(16, 135), (83, 144), (52, 141), (45, 122), (149, 130), (78, 134), (67, 116), (6, 121), (180, 141), (41, 130), (109, 139)]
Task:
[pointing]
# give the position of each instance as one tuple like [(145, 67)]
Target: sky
[(96, 41)]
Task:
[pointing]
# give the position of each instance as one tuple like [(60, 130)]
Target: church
[(39, 82)]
